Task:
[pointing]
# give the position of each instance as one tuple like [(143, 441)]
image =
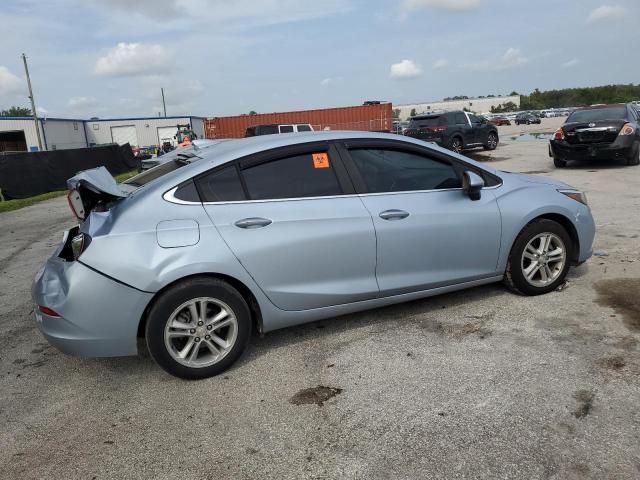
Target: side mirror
[(472, 183)]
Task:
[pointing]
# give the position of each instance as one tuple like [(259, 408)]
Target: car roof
[(603, 105), (229, 151)]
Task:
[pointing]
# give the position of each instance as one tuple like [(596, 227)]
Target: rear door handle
[(253, 222), (393, 214)]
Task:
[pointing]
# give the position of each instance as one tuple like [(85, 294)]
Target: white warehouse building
[(477, 105), (19, 133)]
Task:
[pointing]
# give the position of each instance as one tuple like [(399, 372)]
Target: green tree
[(413, 112), (396, 113), (513, 93), (253, 112), (16, 112)]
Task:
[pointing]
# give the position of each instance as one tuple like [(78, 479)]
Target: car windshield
[(593, 115), (424, 122)]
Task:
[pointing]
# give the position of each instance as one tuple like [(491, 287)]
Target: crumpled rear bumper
[(99, 316)]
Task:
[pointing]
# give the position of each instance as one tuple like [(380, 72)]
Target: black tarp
[(31, 173)]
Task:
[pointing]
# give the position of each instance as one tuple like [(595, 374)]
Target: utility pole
[(163, 104), (33, 102)]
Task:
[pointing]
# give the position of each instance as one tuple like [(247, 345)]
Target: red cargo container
[(377, 117)]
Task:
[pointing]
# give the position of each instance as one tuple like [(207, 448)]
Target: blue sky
[(109, 58)]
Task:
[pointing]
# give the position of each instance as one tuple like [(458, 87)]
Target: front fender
[(541, 201)]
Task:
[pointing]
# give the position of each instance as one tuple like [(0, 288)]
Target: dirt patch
[(612, 363), (626, 343), (623, 295), (584, 399), (317, 395), (457, 330)]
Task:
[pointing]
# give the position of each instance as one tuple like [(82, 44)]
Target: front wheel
[(634, 159), (492, 141), (539, 259), (559, 163), (198, 328)]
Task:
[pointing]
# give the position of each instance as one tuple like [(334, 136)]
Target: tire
[(634, 159), (166, 343), (522, 262), (559, 163), (492, 141), (528, 122), (456, 144)]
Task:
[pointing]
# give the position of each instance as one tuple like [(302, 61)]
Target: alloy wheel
[(543, 259), (200, 332)]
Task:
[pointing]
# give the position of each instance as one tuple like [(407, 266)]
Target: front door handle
[(393, 214), (253, 222)]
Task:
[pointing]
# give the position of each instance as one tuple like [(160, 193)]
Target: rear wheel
[(539, 258), (559, 163), (456, 144), (198, 328), (492, 141)]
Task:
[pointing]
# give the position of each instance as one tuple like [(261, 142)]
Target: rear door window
[(298, 176), (304, 128), (461, 119), (286, 128)]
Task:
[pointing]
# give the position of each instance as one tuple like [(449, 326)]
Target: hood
[(97, 180), (540, 180)]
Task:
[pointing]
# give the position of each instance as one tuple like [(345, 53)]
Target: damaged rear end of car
[(65, 289)]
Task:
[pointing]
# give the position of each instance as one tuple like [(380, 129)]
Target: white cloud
[(606, 12), (405, 69), (571, 63), (513, 58), (81, 102), (10, 84), (449, 5), (329, 81), (134, 59), (440, 64)]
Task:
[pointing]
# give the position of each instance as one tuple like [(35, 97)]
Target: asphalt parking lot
[(476, 384)]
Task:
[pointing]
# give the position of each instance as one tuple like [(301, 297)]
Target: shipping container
[(376, 117)]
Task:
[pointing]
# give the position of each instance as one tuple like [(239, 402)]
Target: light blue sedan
[(273, 231)]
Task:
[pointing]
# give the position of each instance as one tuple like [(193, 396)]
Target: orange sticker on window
[(320, 160)]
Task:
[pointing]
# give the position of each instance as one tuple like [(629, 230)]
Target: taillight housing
[(76, 204), (559, 134), (79, 244), (48, 311), (627, 129)]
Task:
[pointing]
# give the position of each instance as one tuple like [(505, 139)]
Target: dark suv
[(604, 132), (527, 118), (457, 130)]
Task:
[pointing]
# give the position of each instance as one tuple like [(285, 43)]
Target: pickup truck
[(456, 130)]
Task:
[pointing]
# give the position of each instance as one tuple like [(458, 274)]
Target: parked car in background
[(499, 120), (606, 132), (527, 118), (456, 130), (190, 153), (274, 231), (399, 127), (274, 128)]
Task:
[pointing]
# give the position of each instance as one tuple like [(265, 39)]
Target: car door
[(293, 220), (480, 129), (429, 233), (463, 125)]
